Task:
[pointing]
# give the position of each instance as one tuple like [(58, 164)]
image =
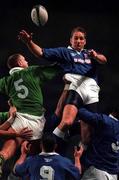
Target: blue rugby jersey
[(49, 166), (72, 61), (103, 150)]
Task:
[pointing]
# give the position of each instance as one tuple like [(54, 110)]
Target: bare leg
[(10, 146), (8, 150), (69, 115), (60, 104)]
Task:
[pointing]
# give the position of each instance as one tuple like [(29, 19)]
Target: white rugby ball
[(39, 15)]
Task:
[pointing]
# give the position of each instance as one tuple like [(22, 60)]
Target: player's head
[(17, 60), (78, 38), (48, 142)]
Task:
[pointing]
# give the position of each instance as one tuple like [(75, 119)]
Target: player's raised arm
[(26, 38), (97, 56)]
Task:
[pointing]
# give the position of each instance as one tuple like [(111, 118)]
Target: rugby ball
[(39, 15)]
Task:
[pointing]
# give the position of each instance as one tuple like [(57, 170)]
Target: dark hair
[(48, 141), (78, 29), (13, 61)]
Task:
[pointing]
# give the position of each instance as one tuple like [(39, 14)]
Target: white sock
[(59, 133)]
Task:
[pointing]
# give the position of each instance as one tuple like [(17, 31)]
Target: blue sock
[(61, 144)]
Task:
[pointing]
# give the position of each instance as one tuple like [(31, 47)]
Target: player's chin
[(78, 48)]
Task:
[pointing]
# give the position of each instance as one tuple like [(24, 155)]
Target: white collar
[(46, 154), (110, 115), (69, 47), (15, 69)]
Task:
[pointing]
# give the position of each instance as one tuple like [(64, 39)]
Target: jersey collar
[(15, 69), (110, 115), (78, 52), (46, 154)]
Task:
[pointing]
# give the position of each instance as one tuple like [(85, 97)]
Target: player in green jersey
[(24, 88)]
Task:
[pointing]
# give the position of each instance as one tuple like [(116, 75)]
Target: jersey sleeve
[(74, 172), (21, 169), (50, 72), (71, 170), (3, 85), (93, 118), (60, 54), (45, 73), (3, 117)]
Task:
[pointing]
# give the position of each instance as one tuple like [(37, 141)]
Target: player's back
[(24, 88), (50, 166)]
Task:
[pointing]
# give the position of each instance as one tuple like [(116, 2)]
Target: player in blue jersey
[(48, 164), (101, 159), (24, 87), (80, 71)]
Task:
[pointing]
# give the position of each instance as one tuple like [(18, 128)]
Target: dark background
[(99, 18)]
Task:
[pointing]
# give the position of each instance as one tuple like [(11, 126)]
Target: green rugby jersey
[(24, 87), (3, 117)]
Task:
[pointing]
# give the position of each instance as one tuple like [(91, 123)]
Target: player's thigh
[(89, 92)]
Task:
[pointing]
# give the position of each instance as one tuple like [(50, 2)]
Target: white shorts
[(97, 174), (86, 87), (35, 123)]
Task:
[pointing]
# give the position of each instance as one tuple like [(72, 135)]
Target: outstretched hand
[(78, 153), (25, 133), (77, 156), (92, 53), (24, 36)]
